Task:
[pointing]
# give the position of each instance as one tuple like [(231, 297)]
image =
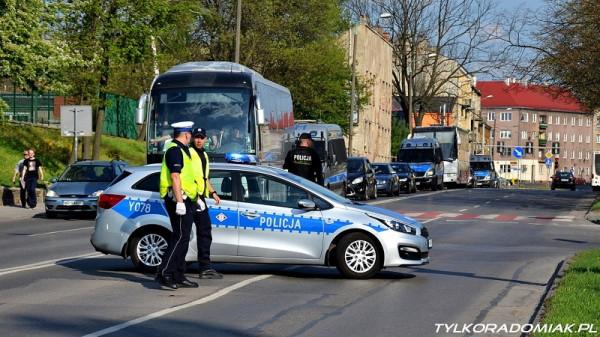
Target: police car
[(266, 215)]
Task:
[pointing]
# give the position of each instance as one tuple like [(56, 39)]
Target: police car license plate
[(72, 203), (564, 180), (429, 243)]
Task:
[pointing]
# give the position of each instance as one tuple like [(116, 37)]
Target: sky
[(514, 4)]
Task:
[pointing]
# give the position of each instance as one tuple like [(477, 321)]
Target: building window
[(572, 138), (597, 139), (565, 154), (505, 168), (556, 148), (549, 119), (581, 138), (505, 134), (580, 155), (491, 115), (564, 120), (529, 147), (588, 121), (580, 121), (534, 118), (506, 116), (573, 155), (524, 117), (557, 137), (565, 137), (587, 155), (587, 139), (572, 121), (550, 135), (523, 134)]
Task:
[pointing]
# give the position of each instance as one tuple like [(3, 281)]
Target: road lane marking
[(62, 231), (476, 206), (487, 202), (167, 311), (430, 220), (464, 209), (47, 263), (387, 201)]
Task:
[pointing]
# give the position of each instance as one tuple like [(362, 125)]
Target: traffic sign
[(518, 152), (549, 155), (548, 162)]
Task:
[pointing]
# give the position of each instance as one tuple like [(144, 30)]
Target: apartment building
[(545, 122)]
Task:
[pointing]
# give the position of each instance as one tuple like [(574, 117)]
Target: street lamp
[(238, 24)]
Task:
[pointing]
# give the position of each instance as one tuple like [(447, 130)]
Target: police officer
[(179, 190), (201, 216), (304, 161)]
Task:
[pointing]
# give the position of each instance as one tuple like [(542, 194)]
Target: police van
[(484, 171), (328, 141), (424, 156), (266, 215)]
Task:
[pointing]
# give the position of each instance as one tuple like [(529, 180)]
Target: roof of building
[(500, 94)]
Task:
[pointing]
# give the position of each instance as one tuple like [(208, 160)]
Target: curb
[(593, 216), (540, 309)]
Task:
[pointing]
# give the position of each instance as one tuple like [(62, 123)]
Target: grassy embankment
[(54, 150), (577, 297)]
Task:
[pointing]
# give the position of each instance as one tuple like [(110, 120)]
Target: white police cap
[(183, 126)]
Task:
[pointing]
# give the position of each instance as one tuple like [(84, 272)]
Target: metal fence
[(34, 107)]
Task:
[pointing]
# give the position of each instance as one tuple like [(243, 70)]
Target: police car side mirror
[(306, 204)]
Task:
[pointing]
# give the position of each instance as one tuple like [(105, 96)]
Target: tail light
[(107, 201)]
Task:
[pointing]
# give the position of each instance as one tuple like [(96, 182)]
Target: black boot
[(166, 281)]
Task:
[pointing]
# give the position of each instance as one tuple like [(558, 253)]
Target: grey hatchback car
[(77, 189), (266, 215)]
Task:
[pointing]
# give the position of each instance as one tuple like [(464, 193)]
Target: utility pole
[(238, 25), (353, 91)]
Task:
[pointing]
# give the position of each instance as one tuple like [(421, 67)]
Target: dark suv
[(563, 179), (78, 187), (361, 179)]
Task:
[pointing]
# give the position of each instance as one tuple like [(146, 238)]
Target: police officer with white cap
[(178, 188)]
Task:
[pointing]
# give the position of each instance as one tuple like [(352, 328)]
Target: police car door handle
[(250, 214)]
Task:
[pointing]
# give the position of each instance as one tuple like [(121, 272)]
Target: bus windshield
[(447, 140), (416, 156), (223, 112)]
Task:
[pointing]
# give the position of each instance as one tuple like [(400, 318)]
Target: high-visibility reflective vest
[(199, 173), (187, 176)]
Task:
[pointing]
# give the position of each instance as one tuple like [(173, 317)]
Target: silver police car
[(266, 215)]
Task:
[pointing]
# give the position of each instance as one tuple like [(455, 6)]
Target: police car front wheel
[(358, 256), (147, 250)]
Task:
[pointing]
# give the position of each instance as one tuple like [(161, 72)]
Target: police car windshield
[(309, 185), (87, 173), (401, 168), (416, 156), (223, 112), (481, 165)]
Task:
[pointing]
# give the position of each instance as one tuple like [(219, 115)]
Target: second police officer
[(179, 189), (304, 161), (201, 215)]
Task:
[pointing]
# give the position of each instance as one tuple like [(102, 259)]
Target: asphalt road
[(494, 253)]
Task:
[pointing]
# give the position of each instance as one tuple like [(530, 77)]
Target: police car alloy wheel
[(358, 256), (147, 250)]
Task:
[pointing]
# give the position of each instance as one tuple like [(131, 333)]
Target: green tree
[(399, 133), (30, 56), (114, 38), (294, 43)]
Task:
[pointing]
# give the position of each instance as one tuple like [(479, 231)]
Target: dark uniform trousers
[(30, 185), (203, 237), (173, 263)]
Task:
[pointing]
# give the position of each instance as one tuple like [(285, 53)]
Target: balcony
[(543, 125), (542, 142)]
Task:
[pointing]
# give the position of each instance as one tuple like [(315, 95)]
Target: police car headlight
[(429, 173), (398, 226), (357, 180), (403, 179), (95, 194), (51, 194), (487, 177)]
